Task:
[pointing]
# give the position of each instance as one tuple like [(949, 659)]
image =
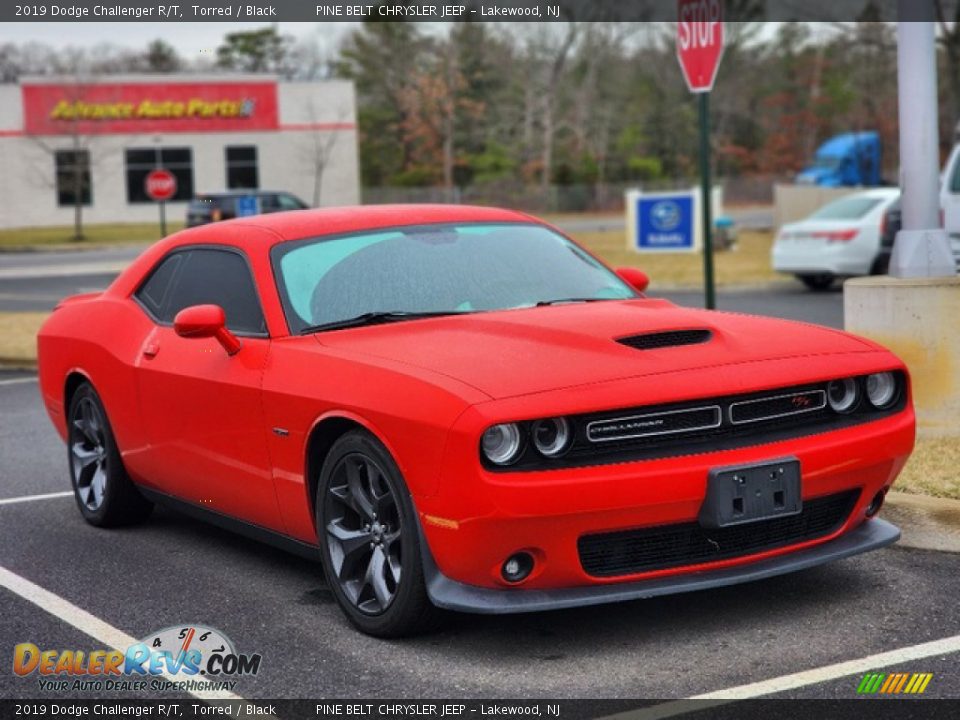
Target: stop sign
[(160, 185), (699, 41)]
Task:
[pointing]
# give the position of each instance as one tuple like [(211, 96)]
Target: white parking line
[(796, 680), (88, 624), (837, 670), (18, 381), (31, 498)]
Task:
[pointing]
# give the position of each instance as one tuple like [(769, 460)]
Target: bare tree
[(949, 39), (549, 52), (319, 150), (82, 159)]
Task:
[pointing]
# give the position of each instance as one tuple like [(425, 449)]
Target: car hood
[(517, 352)]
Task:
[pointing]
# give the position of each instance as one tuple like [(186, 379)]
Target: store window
[(72, 168), (140, 161), (242, 167)]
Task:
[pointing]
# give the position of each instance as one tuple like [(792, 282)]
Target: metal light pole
[(706, 196), (921, 248)]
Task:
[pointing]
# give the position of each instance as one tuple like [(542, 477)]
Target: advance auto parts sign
[(128, 108)]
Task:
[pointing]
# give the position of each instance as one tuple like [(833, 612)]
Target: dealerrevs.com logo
[(184, 658)]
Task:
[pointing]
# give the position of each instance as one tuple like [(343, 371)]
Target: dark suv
[(211, 207)]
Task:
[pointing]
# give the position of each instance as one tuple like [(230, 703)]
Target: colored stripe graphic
[(894, 683), (903, 680)]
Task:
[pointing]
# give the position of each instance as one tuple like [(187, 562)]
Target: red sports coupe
[(461, 408)]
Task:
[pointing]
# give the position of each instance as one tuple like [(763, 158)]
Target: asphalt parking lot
[(174, 570)]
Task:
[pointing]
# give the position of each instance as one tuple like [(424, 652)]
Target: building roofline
[(134, 78)]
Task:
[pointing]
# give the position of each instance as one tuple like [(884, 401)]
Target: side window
[(289, 202), (153, 293), (269, 202), (214, 277), (955, 179)]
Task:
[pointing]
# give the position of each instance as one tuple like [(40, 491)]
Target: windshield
[(846, 208), (458, 268)]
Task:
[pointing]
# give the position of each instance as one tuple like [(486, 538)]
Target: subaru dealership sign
[(665, 221)]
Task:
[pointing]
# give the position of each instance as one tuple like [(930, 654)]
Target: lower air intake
[(667, 546)]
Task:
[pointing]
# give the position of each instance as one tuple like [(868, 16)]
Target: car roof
[(884, 193), (240, 192), (298, 224)]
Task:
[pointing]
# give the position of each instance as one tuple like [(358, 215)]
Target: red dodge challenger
[(461, 408)]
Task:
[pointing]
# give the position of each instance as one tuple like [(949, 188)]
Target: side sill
[(241, 527)]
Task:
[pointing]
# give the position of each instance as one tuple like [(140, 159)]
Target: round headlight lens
[(551, 436), (843, 395), (501, 443), (881, 389)]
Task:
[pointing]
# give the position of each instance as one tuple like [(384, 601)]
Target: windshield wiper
[(561, 301), (375, 318)]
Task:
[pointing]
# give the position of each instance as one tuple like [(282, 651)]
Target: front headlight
[(881, 389), (501, 444), (843, 395), (552, 436)]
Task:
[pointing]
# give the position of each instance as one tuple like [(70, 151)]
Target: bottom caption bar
[(855, 709)]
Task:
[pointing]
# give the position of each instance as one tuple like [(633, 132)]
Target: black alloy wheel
[(364, 533), (370, 544), (104, 492)]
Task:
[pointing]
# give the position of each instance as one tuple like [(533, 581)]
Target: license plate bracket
[(741, 494)]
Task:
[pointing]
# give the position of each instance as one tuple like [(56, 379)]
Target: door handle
[(151, 349)]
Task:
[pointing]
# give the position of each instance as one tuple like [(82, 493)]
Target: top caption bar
[(466, 10)]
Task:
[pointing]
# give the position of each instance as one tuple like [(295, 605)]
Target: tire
[(369, 540), (881, 266), (817, 282), (104, 492)]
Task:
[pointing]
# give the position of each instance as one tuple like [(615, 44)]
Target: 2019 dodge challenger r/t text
[(461, 408)]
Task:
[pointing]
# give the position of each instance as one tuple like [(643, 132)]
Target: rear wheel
[(822, 281), (369, 542), (104, 492)]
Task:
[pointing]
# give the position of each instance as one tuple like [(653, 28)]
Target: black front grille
[(710, 424), (668, 546), (650, 424), (669, 338), (777, 406)]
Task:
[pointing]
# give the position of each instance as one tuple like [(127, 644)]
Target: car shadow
[(720, 613)]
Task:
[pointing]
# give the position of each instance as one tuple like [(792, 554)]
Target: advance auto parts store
[(59, 136)]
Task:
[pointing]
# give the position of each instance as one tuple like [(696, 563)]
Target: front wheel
[(369, 542), (104, 492)]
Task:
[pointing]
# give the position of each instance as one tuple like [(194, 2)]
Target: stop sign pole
[(699, 49)]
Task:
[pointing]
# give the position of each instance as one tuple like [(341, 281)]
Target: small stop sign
[(699, 41), (160, 185)]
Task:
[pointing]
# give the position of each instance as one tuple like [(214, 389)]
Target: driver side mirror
[(204, 321), (637, 279)]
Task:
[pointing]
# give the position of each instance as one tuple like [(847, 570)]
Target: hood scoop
[(668, 338)]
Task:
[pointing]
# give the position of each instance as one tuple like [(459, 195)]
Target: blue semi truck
[(848, 160)]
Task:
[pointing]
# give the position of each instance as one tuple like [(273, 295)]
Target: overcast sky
[(187, 38)]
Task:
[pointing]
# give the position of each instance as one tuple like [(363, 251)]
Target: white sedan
[(841, 239)]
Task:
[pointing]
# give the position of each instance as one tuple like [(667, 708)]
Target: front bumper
[(452, 595)]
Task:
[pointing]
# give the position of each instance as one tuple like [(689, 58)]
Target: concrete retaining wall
[(917, 318)]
